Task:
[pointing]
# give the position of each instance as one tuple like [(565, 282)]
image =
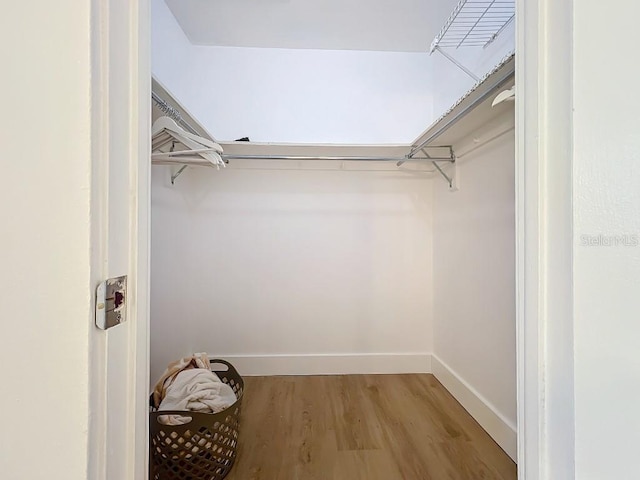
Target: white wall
[(46, 316), (335, 265), (606, 198), (314, 96), (397, 26), (170, 48), (474, 290), (308, 96), (297, 96)]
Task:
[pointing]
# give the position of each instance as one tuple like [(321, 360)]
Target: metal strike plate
[(111, 302)]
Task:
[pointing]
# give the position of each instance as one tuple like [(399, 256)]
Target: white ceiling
[(376, 25)]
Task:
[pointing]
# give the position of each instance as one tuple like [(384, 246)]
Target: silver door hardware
[(111, 302)]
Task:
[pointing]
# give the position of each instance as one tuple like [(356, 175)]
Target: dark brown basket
[(205, 448)]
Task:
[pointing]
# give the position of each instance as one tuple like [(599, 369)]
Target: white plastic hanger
[(505, 96), (199, 150)]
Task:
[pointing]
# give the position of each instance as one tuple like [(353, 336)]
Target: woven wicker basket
[(203, 449)]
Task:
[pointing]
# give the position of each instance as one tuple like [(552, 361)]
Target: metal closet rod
[(334, 157), (172, 113)]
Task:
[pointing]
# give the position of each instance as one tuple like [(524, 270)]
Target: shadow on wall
[(313, 190)]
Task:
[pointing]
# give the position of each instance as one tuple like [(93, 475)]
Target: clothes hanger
[(199, 150), (505, 96)]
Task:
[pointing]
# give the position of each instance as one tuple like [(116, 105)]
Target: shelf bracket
[(177, 174), (451, 179), (456, 63)]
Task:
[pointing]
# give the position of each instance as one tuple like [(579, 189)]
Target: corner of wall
[(498, 427)]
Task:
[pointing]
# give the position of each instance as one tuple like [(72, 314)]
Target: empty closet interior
[(333, 192)]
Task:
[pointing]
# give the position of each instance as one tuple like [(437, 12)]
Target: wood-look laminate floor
[(368, 427)]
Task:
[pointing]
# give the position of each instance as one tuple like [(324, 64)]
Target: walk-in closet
[(333, 214), (330, 240)]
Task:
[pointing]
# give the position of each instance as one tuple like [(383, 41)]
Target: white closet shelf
[(292, 151), (475, 23), (471, 111), (166, 105), (435, 145)]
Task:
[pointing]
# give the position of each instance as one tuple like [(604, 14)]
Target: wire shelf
[(475, 23)]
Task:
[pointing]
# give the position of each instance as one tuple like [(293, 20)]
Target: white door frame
[(141, 217), (544, 231), (120, 212), (544, 251)]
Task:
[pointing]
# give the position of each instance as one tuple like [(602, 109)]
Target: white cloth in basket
[(196, 390)]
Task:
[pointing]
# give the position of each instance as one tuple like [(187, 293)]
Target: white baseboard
[(495, 424), (327, 364)]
